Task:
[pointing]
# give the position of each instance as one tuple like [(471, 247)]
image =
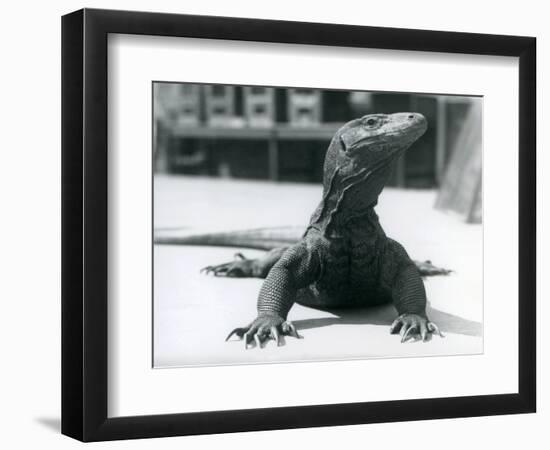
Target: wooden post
[(273, 157), (440, 138)]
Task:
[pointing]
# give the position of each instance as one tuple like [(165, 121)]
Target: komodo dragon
[(344, 258)]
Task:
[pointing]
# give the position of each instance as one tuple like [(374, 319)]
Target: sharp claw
[(259, 331), (435, 329), (222, 269), (237, 331), (246, 336), (293, 330), (405, 335), (230, 334), (276, 336), (423, 332), (394, 326), (262, 332), (218, 271)]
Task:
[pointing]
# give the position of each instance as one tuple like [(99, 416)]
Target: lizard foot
[(240, 268), (427, 269), (265, 327), (414, 325)]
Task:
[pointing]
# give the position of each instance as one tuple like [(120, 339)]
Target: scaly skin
[(344, 259)]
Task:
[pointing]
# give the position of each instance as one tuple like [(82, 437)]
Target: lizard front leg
[(409, 298), (298, 267)]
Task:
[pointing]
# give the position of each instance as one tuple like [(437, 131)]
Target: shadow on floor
[(384, 315), (53, 423)]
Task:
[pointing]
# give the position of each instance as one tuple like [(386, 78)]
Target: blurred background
[(281, 135)]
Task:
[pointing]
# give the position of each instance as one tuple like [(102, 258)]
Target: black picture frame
[(84, 224)]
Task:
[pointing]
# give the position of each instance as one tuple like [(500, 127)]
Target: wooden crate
[(177, 103), (304, 107), (189, 113), (259, 106), (165, 102), (219, 104)]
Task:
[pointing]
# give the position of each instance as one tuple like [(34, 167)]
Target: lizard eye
[(371, 122)]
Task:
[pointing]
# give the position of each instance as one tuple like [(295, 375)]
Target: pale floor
[(193, 313)]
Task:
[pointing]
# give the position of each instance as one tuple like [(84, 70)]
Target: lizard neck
[(349, 196)]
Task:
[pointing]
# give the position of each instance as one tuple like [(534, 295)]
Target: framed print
[(273, 224)]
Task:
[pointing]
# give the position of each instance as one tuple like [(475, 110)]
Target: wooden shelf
[(321, 132), (273, 135)]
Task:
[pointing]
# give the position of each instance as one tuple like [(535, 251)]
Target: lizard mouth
[(353, 149), (371, 145), (391, 144)]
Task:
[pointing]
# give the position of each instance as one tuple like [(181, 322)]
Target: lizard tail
[(259, 239)]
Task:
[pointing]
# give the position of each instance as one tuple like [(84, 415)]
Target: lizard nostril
[(411, 117)]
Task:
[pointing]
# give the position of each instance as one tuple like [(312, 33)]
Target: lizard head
[(379, 138), (373, 141)]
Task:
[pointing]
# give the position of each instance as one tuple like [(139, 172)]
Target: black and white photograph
[(296, 224), (254, 225)]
